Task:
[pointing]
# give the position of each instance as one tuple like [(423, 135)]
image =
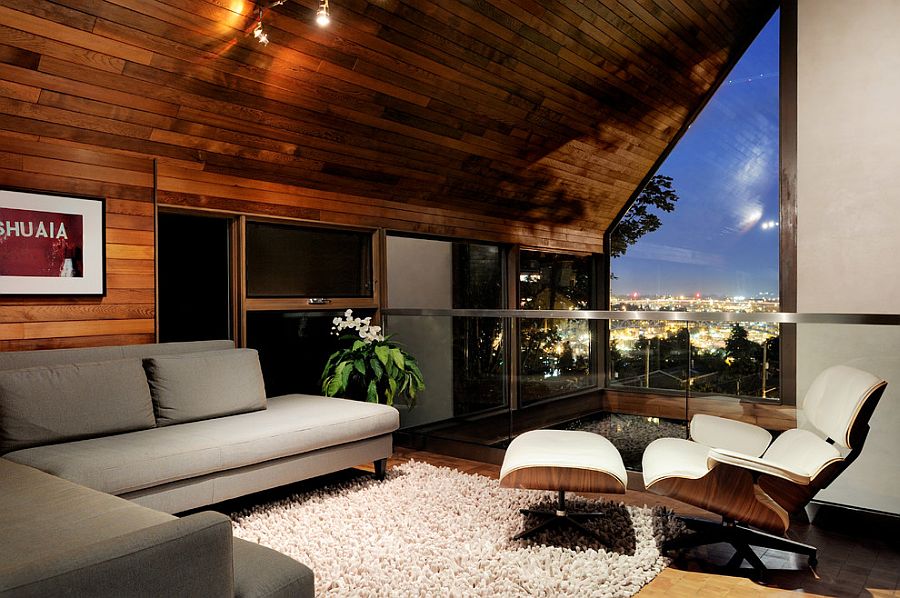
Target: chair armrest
[(733, 435), (190, 556), (717, 456)]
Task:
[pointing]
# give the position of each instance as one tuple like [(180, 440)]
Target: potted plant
[(372, 367)]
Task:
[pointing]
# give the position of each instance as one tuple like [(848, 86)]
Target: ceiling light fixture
[(259, 33), (322, 16)]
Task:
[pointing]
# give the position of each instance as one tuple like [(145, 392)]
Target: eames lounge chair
[(734, 470)]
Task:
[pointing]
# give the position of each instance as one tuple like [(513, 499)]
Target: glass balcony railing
[(493, 374), (740, 359)]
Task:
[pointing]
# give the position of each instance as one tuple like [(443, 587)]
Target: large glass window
[(704, 236), (555, 355)]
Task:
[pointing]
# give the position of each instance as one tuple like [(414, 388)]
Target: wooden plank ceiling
[(543, 112)]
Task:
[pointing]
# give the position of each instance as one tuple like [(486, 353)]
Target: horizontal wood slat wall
[(517, 122), (126, 314)]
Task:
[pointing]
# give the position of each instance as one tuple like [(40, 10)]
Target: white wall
[(420, 274), (848, 215)]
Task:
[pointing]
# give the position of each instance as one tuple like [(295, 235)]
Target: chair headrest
[(836, 398)]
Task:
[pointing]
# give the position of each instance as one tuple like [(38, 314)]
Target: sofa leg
[(380, 469)]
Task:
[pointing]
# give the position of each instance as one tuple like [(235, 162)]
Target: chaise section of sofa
[(176, 426), (176, 468), (62, 539)]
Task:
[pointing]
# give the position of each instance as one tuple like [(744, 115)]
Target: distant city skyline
[(722, 238)]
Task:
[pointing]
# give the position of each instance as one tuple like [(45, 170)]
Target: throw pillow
[(48, 404), (195, 386)]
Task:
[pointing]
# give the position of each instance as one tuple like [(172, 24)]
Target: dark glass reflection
[(478, 364), (555, 354), (292, 261), (194, 278)]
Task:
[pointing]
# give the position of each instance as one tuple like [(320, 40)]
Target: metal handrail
[(678, 316)]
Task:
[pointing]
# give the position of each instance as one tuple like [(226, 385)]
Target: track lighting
[(322, 16), (259, 33)]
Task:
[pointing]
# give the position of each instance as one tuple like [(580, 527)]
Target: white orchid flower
[(348, 314)]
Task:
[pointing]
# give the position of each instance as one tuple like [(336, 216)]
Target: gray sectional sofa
[(169, 427)]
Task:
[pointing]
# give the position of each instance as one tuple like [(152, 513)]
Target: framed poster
[(52, 244)]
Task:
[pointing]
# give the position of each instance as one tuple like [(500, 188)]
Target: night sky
[(720, 239)]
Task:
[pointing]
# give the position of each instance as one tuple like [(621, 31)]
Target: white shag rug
[(430, 531)]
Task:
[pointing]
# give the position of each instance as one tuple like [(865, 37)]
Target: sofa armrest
[(190, 556)]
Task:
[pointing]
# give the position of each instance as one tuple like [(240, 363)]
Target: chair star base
[(741, 538), (561, 517)]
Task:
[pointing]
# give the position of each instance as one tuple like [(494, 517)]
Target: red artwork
[(36, 243)]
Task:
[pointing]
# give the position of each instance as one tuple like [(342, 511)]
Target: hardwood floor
[(857, 557)]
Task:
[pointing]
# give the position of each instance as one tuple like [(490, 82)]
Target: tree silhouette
[(742, 354), (640, 220)]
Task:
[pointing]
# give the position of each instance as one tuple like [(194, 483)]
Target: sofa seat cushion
[(197, 386), (292, 425), (65, 402), (42, 515)]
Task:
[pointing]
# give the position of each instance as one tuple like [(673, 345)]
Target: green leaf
[(391, 391), (328, 366), (360, 366), (345, 373), (334, 387), (383, 353), (397, 354), (376, 367), (372, 393), (358, 345), (412, 367)]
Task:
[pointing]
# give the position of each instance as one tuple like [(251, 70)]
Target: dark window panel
[(292, 261), (194, 278)]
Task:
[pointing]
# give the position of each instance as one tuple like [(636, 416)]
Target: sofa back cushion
[(16, 360), (196, 386), (58, 403)]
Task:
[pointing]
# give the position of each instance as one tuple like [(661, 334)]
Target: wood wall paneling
[(513, 122), (126, 314)]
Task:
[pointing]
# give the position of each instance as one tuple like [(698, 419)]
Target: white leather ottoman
[(563, 460)]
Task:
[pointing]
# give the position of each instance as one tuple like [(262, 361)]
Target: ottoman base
[(561, 517)]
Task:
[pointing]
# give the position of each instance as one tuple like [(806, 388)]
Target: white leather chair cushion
[(801, 451), (718, 432), (674, 457), (564, 448), (834, 399)]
